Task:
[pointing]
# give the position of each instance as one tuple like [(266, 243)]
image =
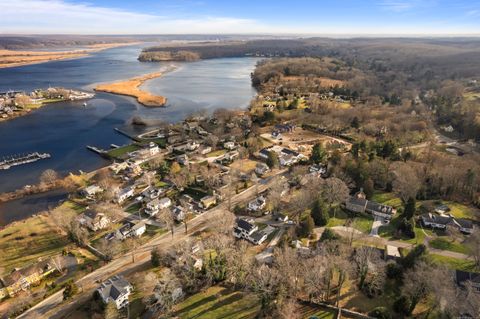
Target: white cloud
[(58, 16), (405, 5)]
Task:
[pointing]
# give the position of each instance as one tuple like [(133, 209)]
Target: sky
[(292, 17)]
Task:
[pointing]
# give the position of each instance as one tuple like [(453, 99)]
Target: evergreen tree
[(319, 213), (319, 155), (306, 227), (272, 160), (368, 188), (410, 208), (355, 123)]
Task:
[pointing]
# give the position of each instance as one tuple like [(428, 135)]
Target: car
[(289, 222)]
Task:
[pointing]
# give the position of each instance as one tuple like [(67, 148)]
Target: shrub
[(402, 305), (381, 313)]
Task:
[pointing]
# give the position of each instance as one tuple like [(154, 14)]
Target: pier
[(136, 139), (16, 160)]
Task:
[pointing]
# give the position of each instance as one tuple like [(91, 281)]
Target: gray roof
[(243, 224), (376, 207), (437, 219), (464, 223), (357, 201), (256, 236), (114, 287)]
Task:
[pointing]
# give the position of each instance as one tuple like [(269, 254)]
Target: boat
[(16, 160), (85, 104)]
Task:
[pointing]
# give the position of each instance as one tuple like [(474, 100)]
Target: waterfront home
[(93, 220), (208, 201), (123, 194), (153, 149), (91, 191), (118, 167), (117, 290), (24, 278)]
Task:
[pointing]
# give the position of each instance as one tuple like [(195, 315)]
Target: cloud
[(59, 16), (473, 13), (405, 5)]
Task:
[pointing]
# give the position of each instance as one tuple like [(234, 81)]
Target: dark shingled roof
[(114, 287), (245, 225)]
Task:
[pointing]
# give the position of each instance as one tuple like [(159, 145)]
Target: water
[(65, 129)]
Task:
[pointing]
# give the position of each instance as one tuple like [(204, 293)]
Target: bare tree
[(166, 217), (48, 177), (405, 181), (473, 246)]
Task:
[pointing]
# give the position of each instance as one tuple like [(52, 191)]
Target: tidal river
[(65, 129)]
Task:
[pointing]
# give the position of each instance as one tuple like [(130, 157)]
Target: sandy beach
[(131, 87), (11, 58)]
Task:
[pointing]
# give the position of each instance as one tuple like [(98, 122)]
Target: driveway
[(377, 222)]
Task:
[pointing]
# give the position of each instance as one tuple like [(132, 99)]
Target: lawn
[(387, 199), (26, 241), (454, 263), (120, 151), (216, 153), (360, 222), (462, 211), (308, 311), (448, 244), (218, 302)]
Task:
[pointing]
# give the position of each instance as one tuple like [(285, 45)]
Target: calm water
[(65, 129)]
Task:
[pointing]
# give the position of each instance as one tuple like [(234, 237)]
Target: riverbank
[(11, 58), (131, 87)]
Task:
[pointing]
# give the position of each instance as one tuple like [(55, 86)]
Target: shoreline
[(11, 58), (131, 87)]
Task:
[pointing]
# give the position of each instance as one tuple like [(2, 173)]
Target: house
[(229, 146), (91, 191), (442, 209), (462, 278), (23, 279), (318, 169), (93, 220), (257, 204), (391, 253), (204, 150), (276, 135), (208, 201), (154, 206), (261, 169), (182, 159), (118, 167), (281, 218), (117, 290), (129, 229), (358, 203), (464, 225), (123, 194), (153, 149), (179, 213), (284, 128), (435, 221), (249, 231)]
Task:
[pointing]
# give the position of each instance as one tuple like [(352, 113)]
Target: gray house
[(116, 290)]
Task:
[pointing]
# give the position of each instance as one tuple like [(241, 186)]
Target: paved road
[(53, 306)]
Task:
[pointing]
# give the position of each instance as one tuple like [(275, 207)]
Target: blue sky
[(309, 17)]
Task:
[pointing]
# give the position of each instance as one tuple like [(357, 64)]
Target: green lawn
[(462, 211), (362, 223), (119, 152), (218, 302), (448, 244), (454, 263), (316, 311), (387, 199)]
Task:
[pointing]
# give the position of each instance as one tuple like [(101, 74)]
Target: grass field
[(387, 199), (216, 153), (218, 302), (25, 242), (361, 223), (462, 211), (119, 152), (448, 244), (454, 263)]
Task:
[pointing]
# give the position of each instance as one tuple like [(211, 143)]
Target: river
[(65, 129)]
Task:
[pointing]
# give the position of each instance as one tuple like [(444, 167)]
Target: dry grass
[(244, 165), (130, 87), (324, 82), (10, 58)]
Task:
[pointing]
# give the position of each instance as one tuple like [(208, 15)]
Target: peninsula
[(13, 58), (131, 87)]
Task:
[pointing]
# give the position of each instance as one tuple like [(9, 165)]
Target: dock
[(16, 160), (134, 138), (97, 150)]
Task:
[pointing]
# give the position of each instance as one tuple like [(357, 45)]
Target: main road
[(54, 306)]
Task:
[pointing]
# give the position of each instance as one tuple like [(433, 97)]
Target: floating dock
[(16, 160)]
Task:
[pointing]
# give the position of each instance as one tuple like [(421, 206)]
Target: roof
[(114, 288), (376, 207), (463, 276), (464, 223), (289, 152), (138, 225), (17, 274), (247, 226), (357, 201), (437, 219), (256, 236), (92, 214)]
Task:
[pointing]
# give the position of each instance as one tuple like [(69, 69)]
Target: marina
[(15, 160)]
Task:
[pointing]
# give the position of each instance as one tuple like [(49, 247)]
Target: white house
[(229, 145), (153, 149), (93, 220), (129, 229), (154, 206), (117, 290), (123, 194), (91, 191), (261, 168), (249, 231), (178, 213), (257, 204)]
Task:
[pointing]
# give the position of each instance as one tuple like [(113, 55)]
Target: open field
[(10, 58), (218, 302), (131, 87)]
